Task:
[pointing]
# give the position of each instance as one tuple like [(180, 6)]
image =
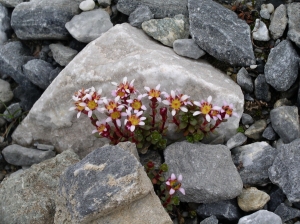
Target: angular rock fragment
[(187, 48), (252, 199), (293, 12), (141, 14), (261, 217), (278, 22), (62, 54), (287, 213)]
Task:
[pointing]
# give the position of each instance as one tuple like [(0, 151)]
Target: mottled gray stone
[(21, 156), (167, 30), (293, 12), (214, 29), (247, 119), (269, 133), (151, 155), (285, 122), (160, 9), (27, 95), (252, 199), (255, 159), (37, 71), (188, 48), (107, 178), (261, 88), (276, 198), (4, 24), (43, 19), (6, 94), (261, 217), (11, 3), (282, 102), (255, 130), (62, 54), (28, 197), (278, 22), (245, 80), (260, 32), (210, 220), (88, 26), (141, 14), (223, 210), (236, 140), (285, 171), (13, 111), (281, 69), (287, 213), (208, 172), (264, 12)]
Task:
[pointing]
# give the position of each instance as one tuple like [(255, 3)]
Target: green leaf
[(182, 125), (175, 200), (193, 122), (191, 129), (162, 179), (164, 167)]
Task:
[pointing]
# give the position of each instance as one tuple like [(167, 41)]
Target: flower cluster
[(128, 118)]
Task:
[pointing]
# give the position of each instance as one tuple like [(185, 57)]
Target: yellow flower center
[(136, 104), (228, 110), (175, 104), (154, 93), (134, 120), (206, 108), (175, 184), (92, 105), (101, 128), (111, 105), (78, 107), (214, 112), (115, 115), (120, 93)]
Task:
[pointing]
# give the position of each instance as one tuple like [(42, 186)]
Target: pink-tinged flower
[(134, 119), (111, 105), (176, 102), (153, 93), (175, 184), (136, 104), (102, 127), (227, 111), (115, 115), (205, 108), (216, 113), (124, 89)]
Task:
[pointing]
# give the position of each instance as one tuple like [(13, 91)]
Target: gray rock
[(160, 9), (151, 155), (285, 122), (104, 3), (205, 168), (54, 73), (4, 24), (255, 130), (252, 199), (62, 54), (6, 93), (269, 133), (107, 178), (281, 69), (28, 197), (12, 112), (11, 3), (261, 88), (276, 198), (255, 160), (44, 147), (37, 71), (43, 19), (245, 80), (21, 156), (187, 48), (290, 92), (264, 12), (282, 102), (27, 95), (2, 121), (223, 210), (167, 30), (141, 14), (261, 217), (87, 5), (210, 220), (247, 119), (260, 32), (278, 22), (88, 26), (287, 213), (285, 170), (236, 140), (139, 57), (212, 25), (293, 12)]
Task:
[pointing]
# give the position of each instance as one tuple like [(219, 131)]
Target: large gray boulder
[(28, 196), (160, 9), (293, 12), (219, 32), (11, 3), (209, 174), (43, 19)]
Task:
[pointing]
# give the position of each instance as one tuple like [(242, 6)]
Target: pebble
[(260, 31), (255, 130), (87, 5), (252, 199)]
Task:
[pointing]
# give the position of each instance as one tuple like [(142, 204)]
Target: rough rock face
[(160, 9), (279, 22), (293, 11), (46, 19), (136, 56), (28, 197), (208, 172), (214, 29)]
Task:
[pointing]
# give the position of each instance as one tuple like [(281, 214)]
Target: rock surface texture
[(136, 56)]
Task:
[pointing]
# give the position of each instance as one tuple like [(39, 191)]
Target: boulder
[(293, 12), (219, 32), (279, 22), (122, 51), (62, 54)]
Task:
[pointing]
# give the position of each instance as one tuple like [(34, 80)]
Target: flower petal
[(147, 89), (132, 128), (157, 87), (168, 183), (209, 99), (118, 122), (184, 109), (172, 191), (197, 103), (196, 113), (182, 190), (173, 112), (207, 117), (179, 178), (166, 102), (173, 177)]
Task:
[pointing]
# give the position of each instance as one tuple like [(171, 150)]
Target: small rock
[(12, 112), (44, 147), (247, 119), (261, 89), (279, 22), (2, 121), (264, 12), (291, 92), (62, 54), (21, 156), (282, 102), (244, 80), (276, 198), (287, 213), (269, 133), (293, 11), (270, 8), (141, 14), (187, 48), (253, 66), (260, 31), (236, 140), (256, 129), (54, 73), (167, 30), (6, 94), (87, 5), (261, 217), (210, 220), (252, 199), (285, 122)]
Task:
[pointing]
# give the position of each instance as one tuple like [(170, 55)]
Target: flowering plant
[(130, 119)]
